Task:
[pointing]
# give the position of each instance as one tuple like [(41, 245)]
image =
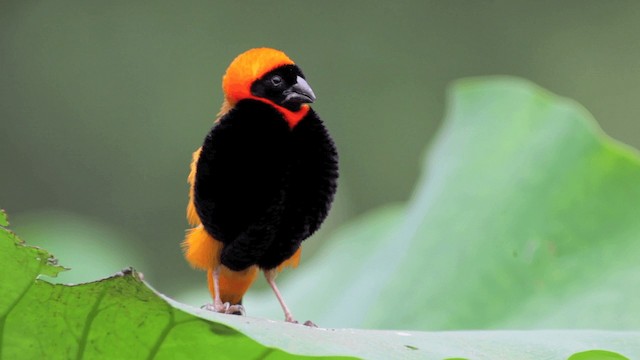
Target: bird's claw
[(308, 323), (236, 310), (225, 308)]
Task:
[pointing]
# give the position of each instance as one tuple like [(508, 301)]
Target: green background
[(102, 103)]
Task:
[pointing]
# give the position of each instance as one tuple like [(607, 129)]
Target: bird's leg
[(213, 276), (217, 302), (270, 275)]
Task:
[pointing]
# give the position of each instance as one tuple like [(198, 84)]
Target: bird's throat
[(292, 117)]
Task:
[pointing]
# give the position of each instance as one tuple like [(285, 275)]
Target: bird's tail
[(233, 284), (202, 251)]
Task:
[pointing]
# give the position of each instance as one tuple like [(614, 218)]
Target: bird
[(262, 182)]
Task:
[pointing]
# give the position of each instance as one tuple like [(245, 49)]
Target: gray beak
[(300, 92)]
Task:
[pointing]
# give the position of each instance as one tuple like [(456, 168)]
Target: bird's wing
[(291, 262), (313, 178), (200, 248), (313, 182), (192, 215)]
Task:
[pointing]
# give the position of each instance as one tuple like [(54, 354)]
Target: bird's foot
[(236, 310), (225, 308), (308, 323)]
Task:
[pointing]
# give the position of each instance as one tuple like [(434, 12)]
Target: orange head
[(268, 75)]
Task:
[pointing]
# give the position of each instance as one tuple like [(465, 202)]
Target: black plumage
[(262, 187)]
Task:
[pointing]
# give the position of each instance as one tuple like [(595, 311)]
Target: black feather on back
[(262, 188)]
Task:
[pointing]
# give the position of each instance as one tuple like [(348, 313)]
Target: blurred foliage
[(79, 241), (101, 103), (597, 355), (3, 218), (525, 217)]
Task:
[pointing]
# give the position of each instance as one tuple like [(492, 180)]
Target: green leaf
[(118, 317), (476, 345), (597, 355), (526, 216), (121, 317)]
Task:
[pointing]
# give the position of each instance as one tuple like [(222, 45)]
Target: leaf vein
[(3, 318), (82, 344), (163, 335)]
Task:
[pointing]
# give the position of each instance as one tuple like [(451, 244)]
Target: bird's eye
[(276, 80)]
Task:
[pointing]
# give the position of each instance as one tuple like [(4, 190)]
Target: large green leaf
[(77, 241), (115, 318), (122, 318), (526, 216)]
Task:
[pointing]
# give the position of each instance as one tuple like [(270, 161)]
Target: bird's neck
[(292, 117)]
